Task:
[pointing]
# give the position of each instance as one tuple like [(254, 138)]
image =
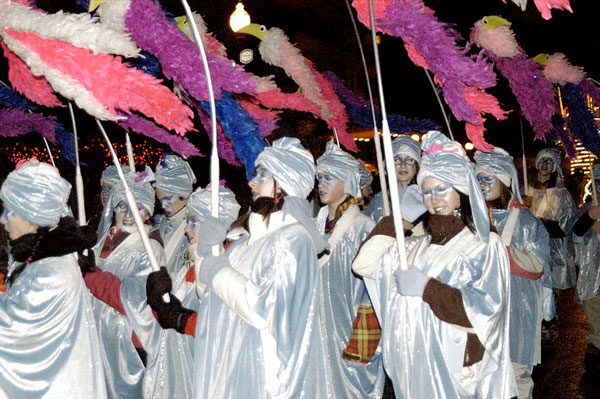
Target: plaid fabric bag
[(365, 336)]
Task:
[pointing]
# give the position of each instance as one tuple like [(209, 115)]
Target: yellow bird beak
[(95, 4), (255, 30), (541, 59)]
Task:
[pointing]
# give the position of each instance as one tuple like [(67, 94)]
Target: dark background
[(322, 29)]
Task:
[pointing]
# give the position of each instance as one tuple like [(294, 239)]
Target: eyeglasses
[(487, 180), (326, 180), (406, 161), (123, 207), (437, 192)]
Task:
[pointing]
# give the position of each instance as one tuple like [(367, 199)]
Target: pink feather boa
[(484, 103), (559, 70), (113, 83), (544, 6)]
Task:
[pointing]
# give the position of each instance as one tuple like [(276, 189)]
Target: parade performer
[(528, 246), (127, 328), (552, 203), (259, 335), (50, 346), (444, 319), (586, 236), (407, 157), (174, 184), (341, 293)]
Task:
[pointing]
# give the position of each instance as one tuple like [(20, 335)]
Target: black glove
[(173, 314), (553, 228), (158, 284)]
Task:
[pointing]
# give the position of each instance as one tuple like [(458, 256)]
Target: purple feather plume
[(535, 94), (148, 128), (588, 87), (15, 121), (179, 56)]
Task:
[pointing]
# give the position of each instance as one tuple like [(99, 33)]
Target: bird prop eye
[(485, 21), (263, 28)]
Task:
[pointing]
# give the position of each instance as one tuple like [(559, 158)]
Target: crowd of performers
[(294, 304)]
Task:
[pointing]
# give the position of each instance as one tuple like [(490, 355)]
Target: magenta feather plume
[(15, 122), (116, 85), (36, 88), (179, 56), (148, 128), (224, 146), (484, 103)]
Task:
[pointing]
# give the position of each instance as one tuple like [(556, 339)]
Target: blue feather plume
[(581, 120), (66, 142), (11, 99)]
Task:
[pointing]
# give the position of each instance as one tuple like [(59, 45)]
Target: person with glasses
[(528, 246), (445, 315), (407, 157), (178, 316), (127, 328), (258, 333), (174, 184), (50, 346), (357, 373)]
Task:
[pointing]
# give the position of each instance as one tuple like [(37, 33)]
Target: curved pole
[(376, 139), (437, 95), (525, 180), (389, 154)]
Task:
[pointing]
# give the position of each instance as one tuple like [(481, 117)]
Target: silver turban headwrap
[(405, 145), (200, 203), (445, 160), (366, 177), (37, 193), (110, 177), (141, 187), (552, 154), (343, 166), (292, 166), (499, 163), (174, 176)]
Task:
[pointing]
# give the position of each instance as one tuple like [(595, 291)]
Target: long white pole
[(49, 152), (525, 179), (594, 191), (78, 178), (129, 152), (376, 138), (389, 154)]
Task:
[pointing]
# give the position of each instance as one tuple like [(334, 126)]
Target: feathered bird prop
[(213, 46), (568, 77), (15, 122), (148, 128), (533, 91), (179, 57), (545, 6), (432, 45), (360, 110), (276, 49)]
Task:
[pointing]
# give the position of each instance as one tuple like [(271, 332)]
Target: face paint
[(124, 216), (545, 165), (262, 184), (331, 190), (15, 225), (439, 197), (170, 203), (490, 186), (192, 227), (406, 168), (105, 192)]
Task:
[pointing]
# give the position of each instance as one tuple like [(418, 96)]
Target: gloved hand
[(594, 212), (158, 284), (210, 266), (173, 314), (211, 232), (553, 228), (410, 282)]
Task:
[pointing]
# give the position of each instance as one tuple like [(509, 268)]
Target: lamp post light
[(239, 18)]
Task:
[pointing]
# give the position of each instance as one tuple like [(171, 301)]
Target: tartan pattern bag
[(365, 336)]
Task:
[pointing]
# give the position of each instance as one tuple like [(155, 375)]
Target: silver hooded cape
[(587, 251), (340, 294), (526, 296), (126, 375), (423, 355), (276, 353), (556, 204), (50, 346)]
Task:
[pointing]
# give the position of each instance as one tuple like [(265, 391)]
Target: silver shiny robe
[(172, 232), (556, 204), (340, 294), (587, 251), (235, 359), (424, 355), (49, 342), (526, 312), (125, 371)]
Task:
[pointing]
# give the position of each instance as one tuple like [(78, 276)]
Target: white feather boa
[(80, 30)]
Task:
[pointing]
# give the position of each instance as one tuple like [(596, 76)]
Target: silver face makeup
[(262, 183), (406, 168), (326, 180), (487, 183), (439, 197), (545, 165), (331, 189), (404, 160), (191, 228)]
